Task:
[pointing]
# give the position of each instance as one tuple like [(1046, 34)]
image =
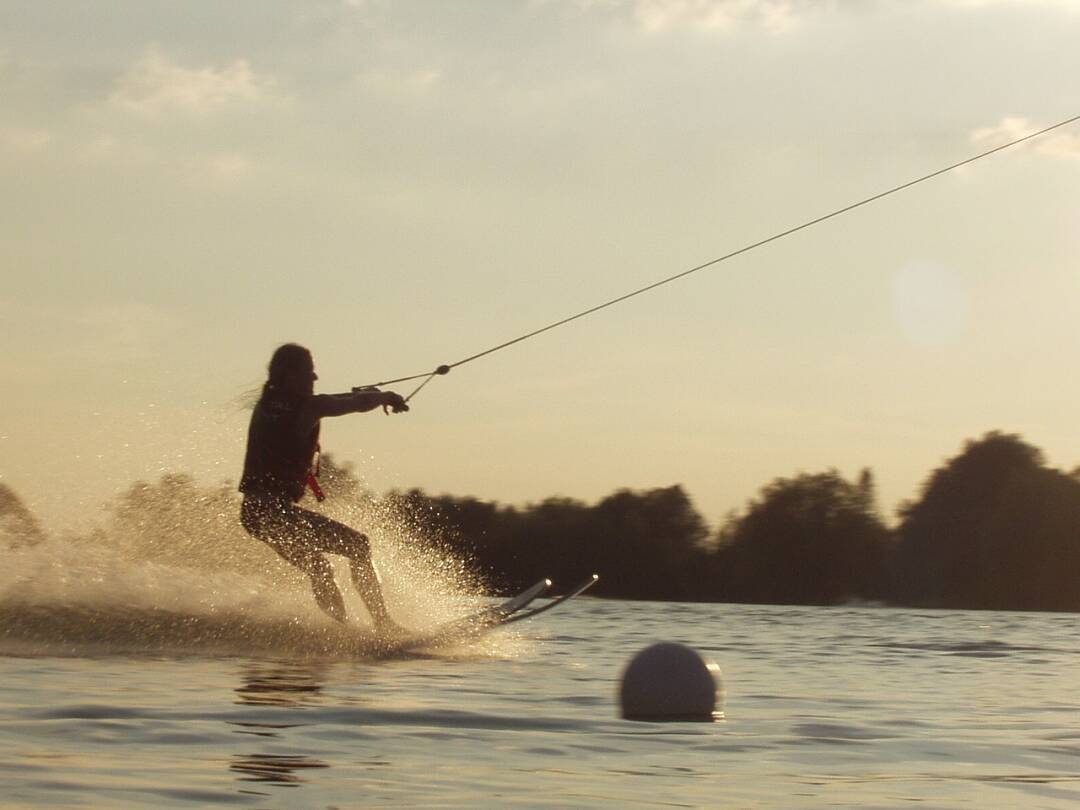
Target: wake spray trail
[(172, 572)]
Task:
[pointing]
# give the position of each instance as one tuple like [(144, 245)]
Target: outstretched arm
[(355, 402)]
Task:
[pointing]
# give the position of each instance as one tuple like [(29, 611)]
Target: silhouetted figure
[(282, 442)]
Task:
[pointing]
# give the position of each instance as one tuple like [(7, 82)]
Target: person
[(282, 443)]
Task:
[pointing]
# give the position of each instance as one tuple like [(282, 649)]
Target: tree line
[(993, 527)]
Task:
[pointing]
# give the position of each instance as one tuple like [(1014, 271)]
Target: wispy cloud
[(772, 16), (7, 65), (226, 169), (656, 16), (156, 85), (717, 15), (24, 140), (399, 83), (1073, 5), (62, 333), (1060, 143), (105, 149)]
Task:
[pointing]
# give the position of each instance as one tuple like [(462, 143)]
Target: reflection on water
[(262, 729), (273, 769), (825, 708), (277, 683), (281, 683)]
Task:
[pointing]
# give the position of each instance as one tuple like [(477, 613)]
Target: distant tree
[(646, 545), (994, 527), (339, 481), (477, 533), (552, 538), (177, 522), (643, 544), (812, 539), (18, 526)]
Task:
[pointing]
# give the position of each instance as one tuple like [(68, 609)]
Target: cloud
[(715, 15), (229, 166), (59, 334), (24, 140), (215, 170), (1059, 143), (226, 169), (654, 16), (155, 85), (7, 64), (1073, 5), (108, 150), (772, 16), (399, 83)]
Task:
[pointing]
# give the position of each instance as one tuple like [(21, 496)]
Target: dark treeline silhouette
[(642, 544), (18, 527), (993, 527), (812, 539)]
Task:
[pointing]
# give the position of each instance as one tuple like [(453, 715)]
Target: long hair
[(287, 360)]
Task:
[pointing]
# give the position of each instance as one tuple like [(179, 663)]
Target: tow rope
[(445, 369)]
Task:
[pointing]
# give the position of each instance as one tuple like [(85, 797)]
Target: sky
[(397, 185)]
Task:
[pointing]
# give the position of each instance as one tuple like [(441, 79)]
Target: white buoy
[(670, 681)]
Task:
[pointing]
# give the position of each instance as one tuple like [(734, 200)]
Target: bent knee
[(260, 519), (359, 546), (348, 542), (316, 566)]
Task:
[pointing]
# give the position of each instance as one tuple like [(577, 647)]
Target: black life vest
[(278, 458)]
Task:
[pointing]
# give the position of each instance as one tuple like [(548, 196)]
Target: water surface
[(844, 707)]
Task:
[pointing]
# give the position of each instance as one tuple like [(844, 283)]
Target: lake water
[(846, 707)]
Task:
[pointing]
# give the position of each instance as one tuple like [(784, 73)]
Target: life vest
[(278, 461)]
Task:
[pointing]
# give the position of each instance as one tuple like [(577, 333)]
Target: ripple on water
[(938, 710)]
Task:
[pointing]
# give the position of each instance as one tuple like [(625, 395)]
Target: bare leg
[(327, 595), (302, 537), (366, 580)]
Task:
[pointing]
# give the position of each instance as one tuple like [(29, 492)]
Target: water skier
[(283, 439)]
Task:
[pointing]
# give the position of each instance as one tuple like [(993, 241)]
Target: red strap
[(313, 476), (316, 490)]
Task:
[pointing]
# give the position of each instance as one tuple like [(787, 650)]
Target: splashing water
[(172, 571)]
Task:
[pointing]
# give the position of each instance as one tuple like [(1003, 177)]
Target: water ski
[(483, 621), (520, 614)]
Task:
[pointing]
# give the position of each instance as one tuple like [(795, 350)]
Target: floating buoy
[(670, 681)]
